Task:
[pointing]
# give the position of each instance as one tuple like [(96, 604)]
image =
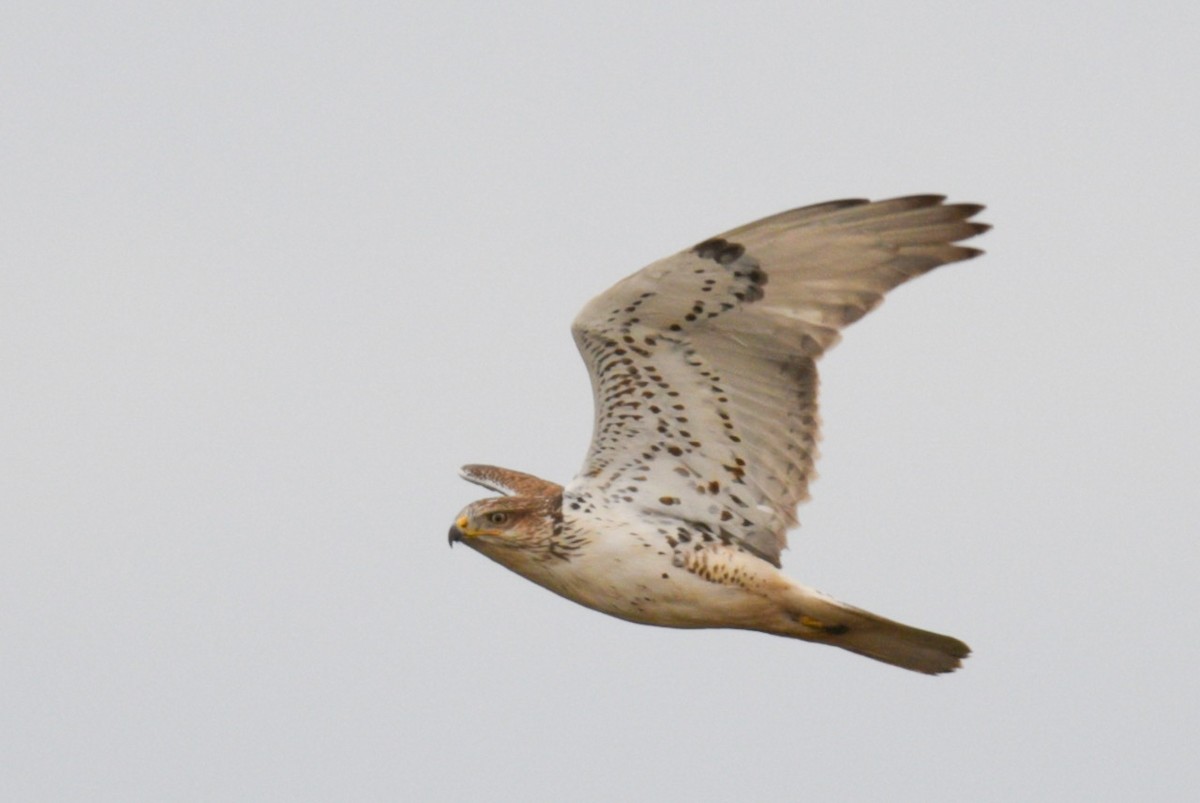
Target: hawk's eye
[(497, 518)]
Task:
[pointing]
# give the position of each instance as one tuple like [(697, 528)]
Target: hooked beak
[(456, 533)]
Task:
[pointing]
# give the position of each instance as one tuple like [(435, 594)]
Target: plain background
[(270, 272)]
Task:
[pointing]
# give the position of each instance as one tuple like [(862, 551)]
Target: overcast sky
[(270, 273)]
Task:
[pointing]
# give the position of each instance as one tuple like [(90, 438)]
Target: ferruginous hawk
[(703, 370)]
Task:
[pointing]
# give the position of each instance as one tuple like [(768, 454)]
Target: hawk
[(703, 367)]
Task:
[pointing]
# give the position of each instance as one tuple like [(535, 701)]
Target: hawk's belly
[(644, 582)]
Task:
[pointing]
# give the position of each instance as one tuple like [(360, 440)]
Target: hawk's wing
[(509, 482), (702, 364)]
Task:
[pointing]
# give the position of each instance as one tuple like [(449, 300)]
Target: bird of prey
[(706, 427)]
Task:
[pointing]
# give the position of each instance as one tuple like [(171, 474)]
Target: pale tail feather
[(825, 620)]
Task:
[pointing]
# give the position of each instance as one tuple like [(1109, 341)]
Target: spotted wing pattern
[(703, 364)]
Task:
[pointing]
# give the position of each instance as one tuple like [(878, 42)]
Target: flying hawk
[(706, 427)]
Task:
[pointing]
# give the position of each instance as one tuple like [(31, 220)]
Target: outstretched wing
[(509, 482), (702, 364)]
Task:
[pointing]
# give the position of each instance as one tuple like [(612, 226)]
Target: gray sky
[(269, 275)]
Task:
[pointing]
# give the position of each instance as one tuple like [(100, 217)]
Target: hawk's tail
[(821, 618)]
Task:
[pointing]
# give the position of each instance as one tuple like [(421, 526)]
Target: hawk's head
[(520, 530), (507, 522), (521, 533)]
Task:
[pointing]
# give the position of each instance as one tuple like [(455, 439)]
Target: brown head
[(512, 530), (505, 522)]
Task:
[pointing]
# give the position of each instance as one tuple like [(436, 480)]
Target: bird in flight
[(703, 368)]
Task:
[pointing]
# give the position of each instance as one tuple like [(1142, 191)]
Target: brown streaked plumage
[(703, 367)]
